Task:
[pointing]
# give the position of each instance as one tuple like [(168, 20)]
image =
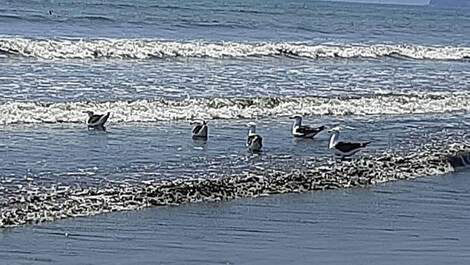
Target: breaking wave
[(35, 204), (146, 49), (234, 108)]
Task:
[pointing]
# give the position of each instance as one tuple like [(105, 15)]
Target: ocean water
[(395, 75)]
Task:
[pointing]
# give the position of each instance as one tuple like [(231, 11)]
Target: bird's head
[(251, 125), (334, 129), (296, 117), (202, 122), (89, 112), (251, 128), (339, 128)]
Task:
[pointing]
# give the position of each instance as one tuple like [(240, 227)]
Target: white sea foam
[(145, 49), (233, 108)]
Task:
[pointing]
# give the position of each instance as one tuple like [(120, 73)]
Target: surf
[(37, 204), (162, 109), (145, 49)]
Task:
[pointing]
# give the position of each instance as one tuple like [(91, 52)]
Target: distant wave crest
[(233, 108), (147, 49)]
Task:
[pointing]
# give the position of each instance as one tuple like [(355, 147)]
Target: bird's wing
[(259, 139), (94, 119), (197, 129), (255, 139), (346, 147), (309, 130), (250, 139), (98, 120)]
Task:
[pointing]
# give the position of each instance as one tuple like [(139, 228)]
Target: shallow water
[(71, 154)]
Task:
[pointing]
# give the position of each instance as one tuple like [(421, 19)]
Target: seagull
[(254, 142), (96, 121), (200, 130), (299, 130), (344, 149)]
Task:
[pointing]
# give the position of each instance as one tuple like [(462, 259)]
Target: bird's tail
[(364, 144), (104, 119)]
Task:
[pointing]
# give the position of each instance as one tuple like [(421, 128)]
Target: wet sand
[(422, 221)]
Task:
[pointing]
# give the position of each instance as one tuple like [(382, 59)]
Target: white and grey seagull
[(254, 142), (200, 130), (344, 149), (97, 121), (299, 130)]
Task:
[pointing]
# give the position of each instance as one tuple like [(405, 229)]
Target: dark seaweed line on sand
[(37, 206)]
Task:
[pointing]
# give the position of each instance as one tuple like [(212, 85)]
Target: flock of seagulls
[(254, 141)]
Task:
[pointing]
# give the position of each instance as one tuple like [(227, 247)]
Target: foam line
[(233, 108), (148, 49)]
